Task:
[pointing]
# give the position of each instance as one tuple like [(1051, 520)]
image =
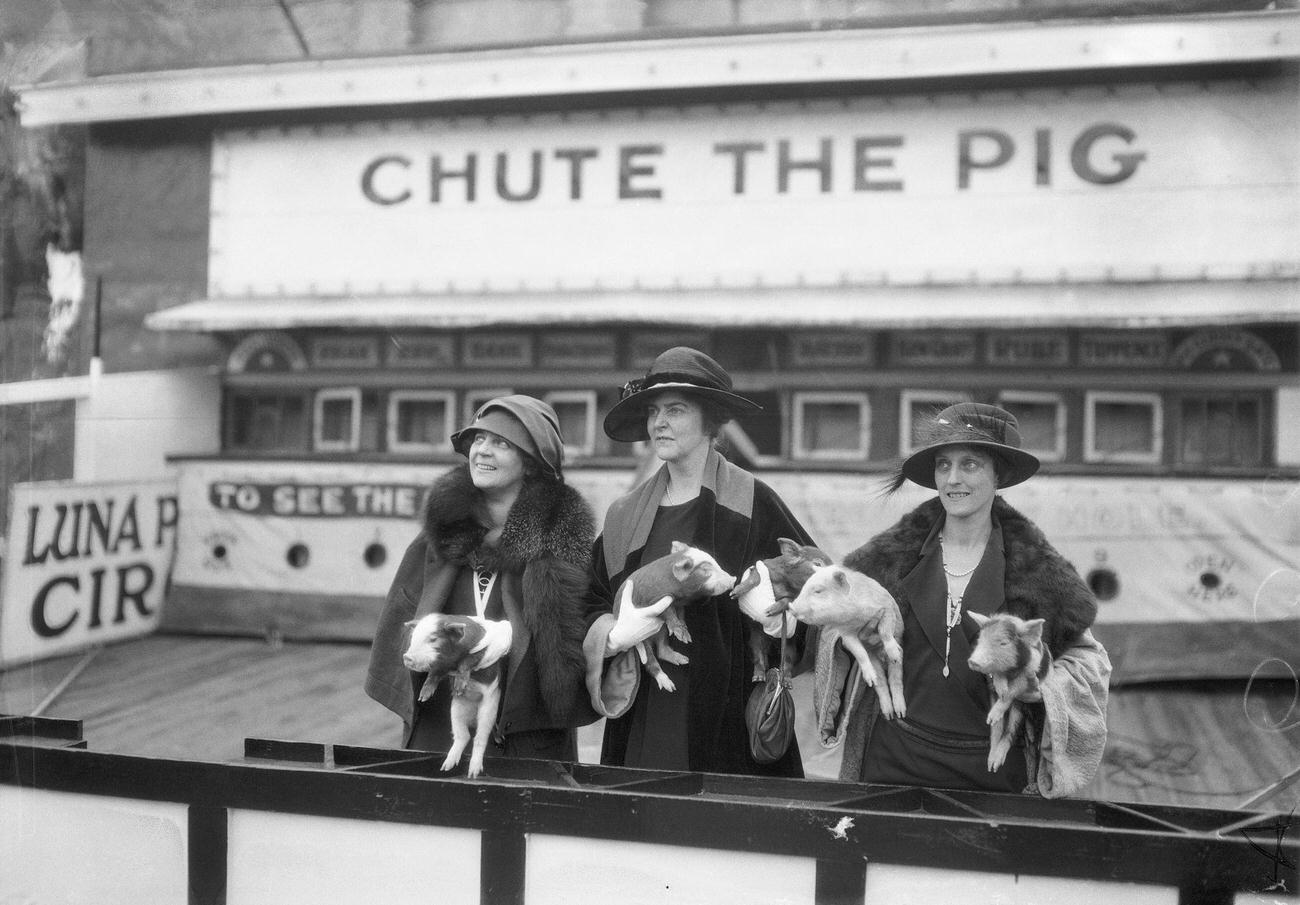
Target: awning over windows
[(1132, 305)]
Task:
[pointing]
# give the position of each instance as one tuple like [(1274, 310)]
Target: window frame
[(396, 398), (799, 400), (587, 398), (330, 394), (473, 398), (1062, 419), (906, 399), (1092, 455), (1236, 397)]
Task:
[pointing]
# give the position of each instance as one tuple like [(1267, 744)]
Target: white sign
[(86, 564), (1110, 182)]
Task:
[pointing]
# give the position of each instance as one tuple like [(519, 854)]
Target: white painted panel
[(86, 564), (890, 884), (1126, 182), (63, 847), (568, 871), (292, 858)]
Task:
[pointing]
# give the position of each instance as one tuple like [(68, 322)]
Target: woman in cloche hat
[(507, 542), (700, 498), (967, 551)]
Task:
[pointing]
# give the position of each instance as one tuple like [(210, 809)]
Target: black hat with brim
[(679, 368), (975, 424)]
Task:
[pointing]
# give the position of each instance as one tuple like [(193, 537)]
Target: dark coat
[(740, 519), (543, 559), (1030, 579)]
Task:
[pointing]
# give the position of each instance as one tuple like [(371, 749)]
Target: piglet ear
[(682, 567), (788, 547), (1034, 630), (411, 623), (840, 578), (455, 630), (980, 619), (678, 546)]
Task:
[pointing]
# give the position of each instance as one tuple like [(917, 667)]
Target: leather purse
[(769, 711)]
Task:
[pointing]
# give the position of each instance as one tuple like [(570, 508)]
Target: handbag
[(769, 712)]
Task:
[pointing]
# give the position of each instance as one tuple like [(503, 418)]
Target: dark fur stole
[(1039, 582)]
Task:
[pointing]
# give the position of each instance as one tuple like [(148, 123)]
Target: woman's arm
[(1074, 693)]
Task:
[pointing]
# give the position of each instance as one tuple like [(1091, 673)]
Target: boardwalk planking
[(1197, 744)]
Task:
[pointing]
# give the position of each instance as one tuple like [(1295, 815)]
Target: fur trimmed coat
[(543, 559), (1067, 732)]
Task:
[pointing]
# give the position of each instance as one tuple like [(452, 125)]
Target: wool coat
[(1066, 733), (739, 521), (542, 560)]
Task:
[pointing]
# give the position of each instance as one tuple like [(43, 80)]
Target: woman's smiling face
[(494, 462), (675, 423), (966, 479)]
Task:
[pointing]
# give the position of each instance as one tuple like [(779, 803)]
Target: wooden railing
[(309, 822)]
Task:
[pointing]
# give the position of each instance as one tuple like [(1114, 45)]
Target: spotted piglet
[(1010, 651)]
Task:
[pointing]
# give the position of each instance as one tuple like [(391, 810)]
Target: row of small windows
[(1119, 428)]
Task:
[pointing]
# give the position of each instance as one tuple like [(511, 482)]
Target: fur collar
[(549, 518), (1039, 581)]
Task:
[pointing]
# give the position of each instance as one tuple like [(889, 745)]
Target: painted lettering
[(368, 178), (629, 169), (1125, 163), (787, 164), (864, 161)]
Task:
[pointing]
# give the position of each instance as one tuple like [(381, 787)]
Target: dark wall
[(146, 235)]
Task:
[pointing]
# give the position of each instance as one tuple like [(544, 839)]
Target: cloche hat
[(970, 424), (681, 368), (528, 423)]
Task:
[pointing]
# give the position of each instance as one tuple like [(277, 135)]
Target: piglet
[(1011, 653), (459, 646), (686, 574), (766, 589), (865, 617)]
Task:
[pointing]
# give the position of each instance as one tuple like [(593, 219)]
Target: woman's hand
[(634, 624)]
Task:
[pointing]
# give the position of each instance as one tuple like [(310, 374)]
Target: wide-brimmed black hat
[(679, 368), (971, 424)]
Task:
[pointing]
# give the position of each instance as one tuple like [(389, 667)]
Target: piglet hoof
[(665, 683), (475, 768), (760, 674), (677, 658), (450, 762)]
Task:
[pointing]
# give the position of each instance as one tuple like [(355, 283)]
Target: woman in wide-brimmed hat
[(700, 498), (968, 551), (505, 541)]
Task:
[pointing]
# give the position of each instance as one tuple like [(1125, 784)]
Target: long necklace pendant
[(947, 646)]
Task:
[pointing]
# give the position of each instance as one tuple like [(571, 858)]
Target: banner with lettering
[(85, 564), (1157, 550), (302, 528), (297, 527), (1131, 181), (1195, 578)]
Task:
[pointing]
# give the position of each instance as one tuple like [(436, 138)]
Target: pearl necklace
[(949, 571)]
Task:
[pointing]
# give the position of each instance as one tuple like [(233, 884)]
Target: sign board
[(85, 564), (1122, 181)]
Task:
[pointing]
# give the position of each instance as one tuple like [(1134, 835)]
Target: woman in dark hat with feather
[(968, 551), (700, 498), (507, 542)]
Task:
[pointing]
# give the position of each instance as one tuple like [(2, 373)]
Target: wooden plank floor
[(1195, 744)]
